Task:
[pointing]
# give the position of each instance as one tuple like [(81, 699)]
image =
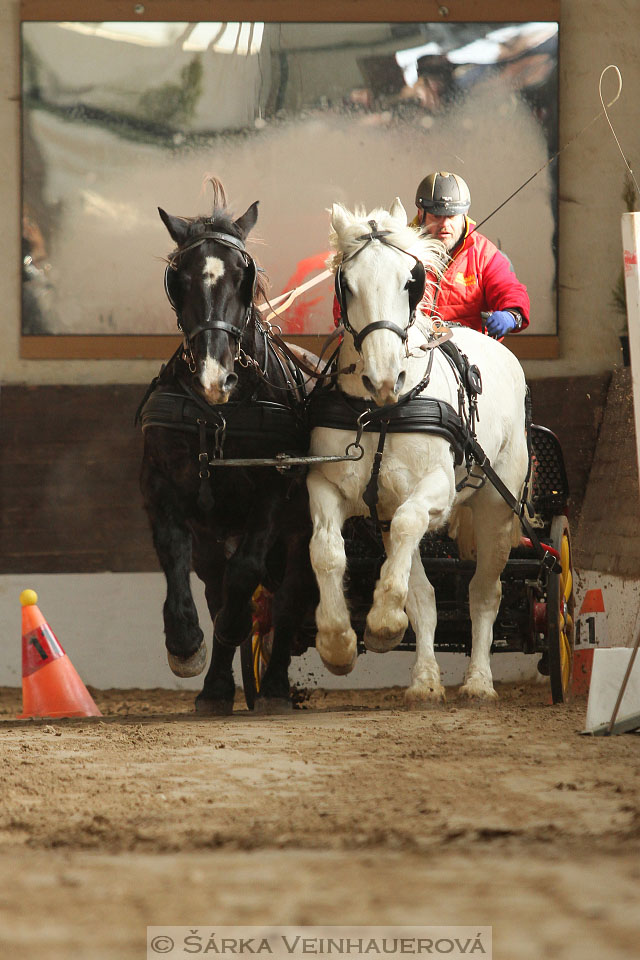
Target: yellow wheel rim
[(566, 578), (566, 621)]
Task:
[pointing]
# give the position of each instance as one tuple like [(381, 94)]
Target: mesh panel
[(549, 487)]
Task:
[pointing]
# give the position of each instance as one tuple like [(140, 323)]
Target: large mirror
[(122, 117)]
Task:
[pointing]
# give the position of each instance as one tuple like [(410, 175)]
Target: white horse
[(418, 476)]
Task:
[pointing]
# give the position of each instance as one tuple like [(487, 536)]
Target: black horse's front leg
[(295, 597), (218, 691), (186, 647), (243, 574)]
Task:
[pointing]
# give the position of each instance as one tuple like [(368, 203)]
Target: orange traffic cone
[(51, 686)]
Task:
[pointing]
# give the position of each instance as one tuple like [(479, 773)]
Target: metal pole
[(624, 684), (630, 248)]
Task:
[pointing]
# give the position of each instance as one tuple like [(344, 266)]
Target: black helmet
[(443, 194)]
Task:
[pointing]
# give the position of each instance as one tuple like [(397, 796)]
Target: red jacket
[(479, 278)]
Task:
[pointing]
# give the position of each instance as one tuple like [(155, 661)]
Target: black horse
[(225, 394)]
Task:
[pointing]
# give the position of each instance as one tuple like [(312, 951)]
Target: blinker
[(416, 288)]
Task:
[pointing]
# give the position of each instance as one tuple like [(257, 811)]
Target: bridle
[(416, 293), (211, 323)]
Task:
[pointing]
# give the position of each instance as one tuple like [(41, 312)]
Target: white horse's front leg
[(335, 640), (426, 684), (427, 507), (494, 536)]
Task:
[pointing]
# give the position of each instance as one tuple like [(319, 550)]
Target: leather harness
[(289, 428), (418, 414)]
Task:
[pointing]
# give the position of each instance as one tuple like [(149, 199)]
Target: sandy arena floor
[(349, 810)]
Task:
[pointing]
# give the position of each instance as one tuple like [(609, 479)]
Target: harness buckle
[(245, 360), (203, 456), (549, 562), (360, 427), (187, 352), (203, 472), (466, 481)]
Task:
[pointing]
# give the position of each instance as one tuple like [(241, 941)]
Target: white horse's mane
[(405, 236)]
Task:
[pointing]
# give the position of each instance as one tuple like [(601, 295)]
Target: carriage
[(231, 397), (536, 614)]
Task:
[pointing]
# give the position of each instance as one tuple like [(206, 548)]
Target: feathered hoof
[(340, 669), (382, 641), (191, 666), (424, 696), (338, 650), (272, 705), (214, 708), (479, 691)]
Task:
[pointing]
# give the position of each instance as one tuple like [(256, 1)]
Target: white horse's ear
[(339, 218), (398, 212)]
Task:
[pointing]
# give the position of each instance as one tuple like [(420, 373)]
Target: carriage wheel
[(560, 614), (255, 652)]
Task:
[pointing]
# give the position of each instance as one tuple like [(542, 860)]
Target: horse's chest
[(400, 473)]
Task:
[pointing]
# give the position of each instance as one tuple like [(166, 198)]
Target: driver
[(479, 279)]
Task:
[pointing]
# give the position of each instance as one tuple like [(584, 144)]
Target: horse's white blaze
[(375, 298), (417, 482), (212, 271), (212, 377)]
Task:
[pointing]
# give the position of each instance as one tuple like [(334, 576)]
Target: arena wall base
[(110, 624)]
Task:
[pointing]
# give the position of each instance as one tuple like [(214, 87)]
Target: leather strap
[(370, 495), (547, 559)]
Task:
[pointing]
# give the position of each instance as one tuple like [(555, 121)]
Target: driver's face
[(446, 229)]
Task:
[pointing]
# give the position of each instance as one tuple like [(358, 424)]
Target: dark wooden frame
[(159, 346)]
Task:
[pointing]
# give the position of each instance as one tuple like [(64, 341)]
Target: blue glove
[(500, 322)]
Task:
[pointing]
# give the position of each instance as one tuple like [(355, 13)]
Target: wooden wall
[(69, 495), (69, 481), (609, 533)]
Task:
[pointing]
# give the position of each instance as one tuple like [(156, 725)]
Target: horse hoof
[(270, 705), (479, 691), (191, 666), (383, 641), (424, 696), (214, 708), (340, 669)]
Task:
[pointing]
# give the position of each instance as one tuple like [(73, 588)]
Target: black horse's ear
[(178, 227), (247, 221)]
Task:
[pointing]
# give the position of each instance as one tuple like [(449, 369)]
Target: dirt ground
[(349, 810)]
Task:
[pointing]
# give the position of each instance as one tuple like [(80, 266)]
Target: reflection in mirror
[(120, 118)]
